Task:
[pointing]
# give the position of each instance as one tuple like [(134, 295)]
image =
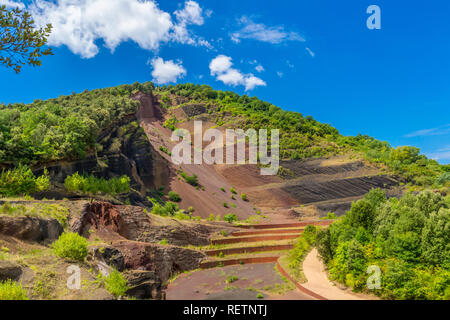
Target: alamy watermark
[(235, 145)]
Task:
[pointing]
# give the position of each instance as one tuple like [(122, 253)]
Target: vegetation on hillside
[(63, 128), (407, 238), (22, 181), (303, 137), (89, 184)]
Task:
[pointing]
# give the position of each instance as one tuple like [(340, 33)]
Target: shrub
[(165, 150), (71, 246), (93, 185), (115, 283), (22, 181), (225, 205), (443, 178), (244, 197), (223, 189), (173, 196), (10, 290), (233, 190), (230, 218), (192, 180), (211, 217)]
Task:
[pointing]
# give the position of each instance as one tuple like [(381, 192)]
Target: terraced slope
[(234, 254)]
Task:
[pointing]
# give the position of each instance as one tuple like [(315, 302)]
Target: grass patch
[(10, 290)]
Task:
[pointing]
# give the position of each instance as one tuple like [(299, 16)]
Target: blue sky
[(314, 57)]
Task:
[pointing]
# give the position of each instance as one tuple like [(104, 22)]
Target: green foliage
[(329, 216), (10, 290), (192, 180), (115, 283), (165, 150), (21, 43), (173, 196), (233, 190), (22, 181), (225, 205), (230, 218), (408, 238), (167, 209), (443, 178), (71, 246), (170, 123), (244, 197), (93, 185), (63, 128), (231, 279)]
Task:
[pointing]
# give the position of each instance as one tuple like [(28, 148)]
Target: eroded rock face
[(31, 228), (125, 151), (9, 271), (110, 256), (133, 223), (144, 285), (163, 260)]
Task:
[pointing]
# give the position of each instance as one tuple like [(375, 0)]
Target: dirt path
[(314, 271)]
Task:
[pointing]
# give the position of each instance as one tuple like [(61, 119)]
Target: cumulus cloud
[(12, 4), (191, 14), (166, 71), (261, 32), (79, 24), (221, 68)]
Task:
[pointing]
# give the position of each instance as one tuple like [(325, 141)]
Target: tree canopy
[(20, 42)]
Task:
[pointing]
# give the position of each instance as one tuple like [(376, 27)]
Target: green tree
[(20, 42)]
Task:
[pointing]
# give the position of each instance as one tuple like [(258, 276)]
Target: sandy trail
[(315, 273)]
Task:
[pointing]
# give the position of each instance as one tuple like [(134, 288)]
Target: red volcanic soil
[(212, 284)]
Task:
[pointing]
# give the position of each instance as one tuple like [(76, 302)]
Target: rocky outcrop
[(110, 256), (164, 260), (9, 271), (144, 285), (133, 223), (31, 228)]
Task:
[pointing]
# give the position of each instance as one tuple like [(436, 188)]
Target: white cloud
[(280, 74), (12, 4), (440, 154), (259, 68), (445, 129), (220, 64), (166, 71), (261, 32), (79, 24), (311, 53), (221, 68), (191, 14)]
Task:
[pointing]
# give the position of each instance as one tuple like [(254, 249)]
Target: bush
[(10, 290), (230, 218), (233, 190), (173, 196), (22, 181), (192, 180), (71, 246), (244, 197), (115, 283), (443, 178), (93, 185)]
